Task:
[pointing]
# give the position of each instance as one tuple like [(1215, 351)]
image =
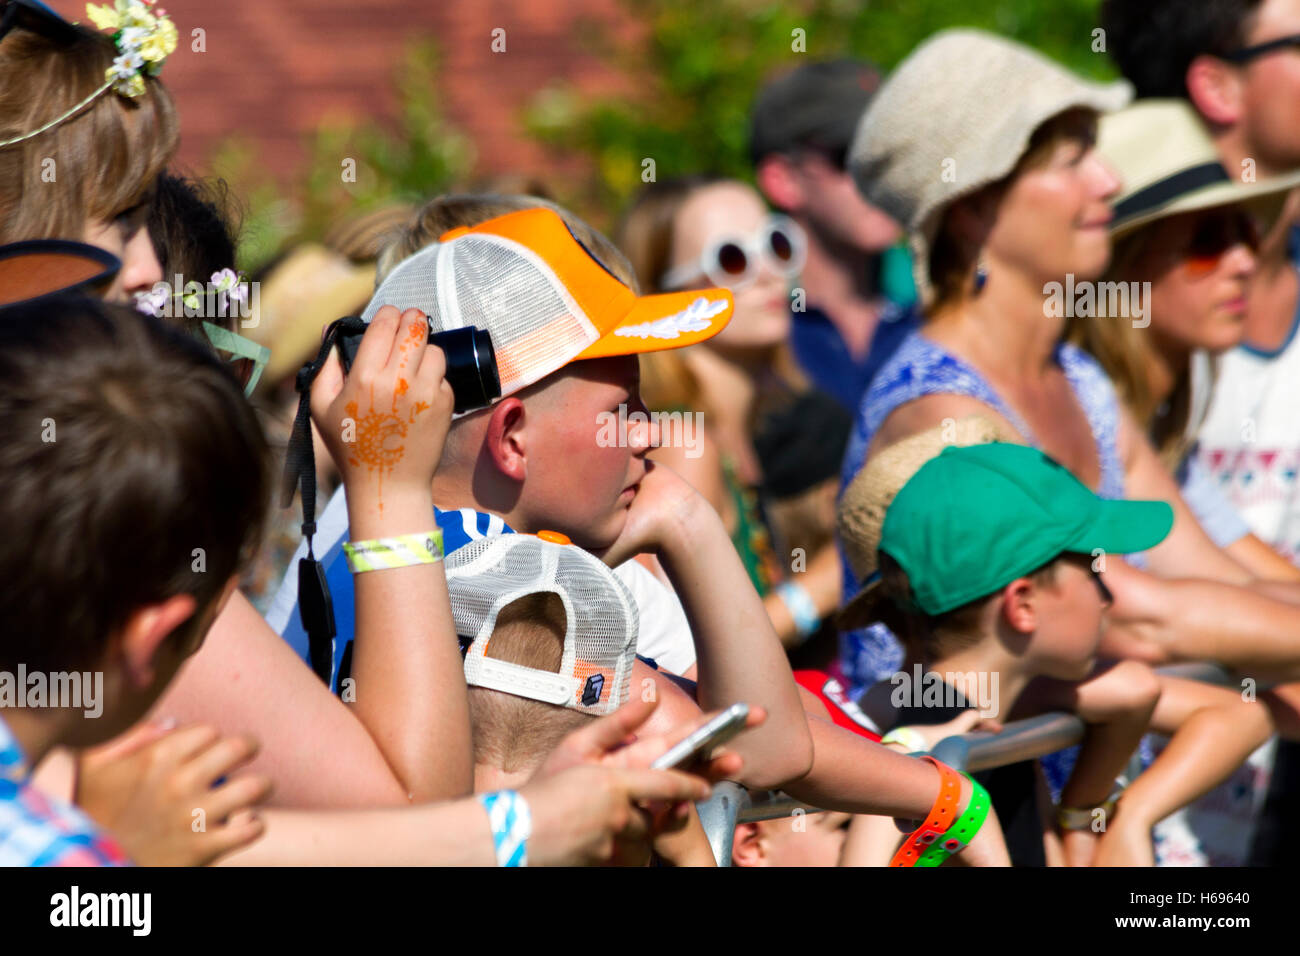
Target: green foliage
[(694, 74)]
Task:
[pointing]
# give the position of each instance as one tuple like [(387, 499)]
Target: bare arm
[(852, 774), (409, 686), (1262, 561), (1187, 551), (1162, 621), (246, 680), (739, 656), (824, 582)]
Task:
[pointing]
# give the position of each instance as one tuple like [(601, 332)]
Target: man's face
[(1271, 90), (583, 465), (834, 208)]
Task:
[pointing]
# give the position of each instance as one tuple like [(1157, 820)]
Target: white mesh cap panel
[(411, 285), (500, 286), (487, 574)]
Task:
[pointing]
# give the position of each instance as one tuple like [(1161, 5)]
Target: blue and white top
[(664, 636)]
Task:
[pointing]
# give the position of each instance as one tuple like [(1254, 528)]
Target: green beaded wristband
[(963, 831)]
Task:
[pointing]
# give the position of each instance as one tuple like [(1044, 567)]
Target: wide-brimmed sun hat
[(1167, 161), (955, 116)]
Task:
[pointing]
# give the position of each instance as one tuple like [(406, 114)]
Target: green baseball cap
[(974, 519)]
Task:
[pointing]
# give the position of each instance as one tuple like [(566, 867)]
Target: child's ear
[(146, 630), (1018, 605), (505, 439), (747, 846)]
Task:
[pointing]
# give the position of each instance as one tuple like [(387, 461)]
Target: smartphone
[(702, 741)]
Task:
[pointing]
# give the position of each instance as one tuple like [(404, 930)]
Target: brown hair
[(516, 733), (193, 237), (1127, 353), (928, 638), (92, 166), (952, 257), (133, 471)]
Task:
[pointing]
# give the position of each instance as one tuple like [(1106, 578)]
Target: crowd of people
[(975, 406)]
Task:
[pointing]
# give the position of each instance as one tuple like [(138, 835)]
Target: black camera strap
[(315, 609)]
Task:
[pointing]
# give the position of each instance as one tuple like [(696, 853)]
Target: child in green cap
[(990, 561)]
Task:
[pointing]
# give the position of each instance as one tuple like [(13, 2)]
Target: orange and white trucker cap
[(543, 297), (601, 621)]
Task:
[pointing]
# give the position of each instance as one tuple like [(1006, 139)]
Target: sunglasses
[(735, 263), (1214, 235), (1246, 54)]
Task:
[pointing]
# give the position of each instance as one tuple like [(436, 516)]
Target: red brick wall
[(272, 70)]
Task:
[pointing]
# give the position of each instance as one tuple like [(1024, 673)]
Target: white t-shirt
[(664, 634), (1250, 441)]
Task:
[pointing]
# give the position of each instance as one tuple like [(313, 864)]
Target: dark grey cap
[(816, 106)]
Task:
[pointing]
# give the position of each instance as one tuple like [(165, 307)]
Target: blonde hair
[(104, 159), (516, 733), (453, 210)]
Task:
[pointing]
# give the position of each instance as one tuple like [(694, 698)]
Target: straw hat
[(1168, 164), (955, 116), (863, 505), (310, 288)]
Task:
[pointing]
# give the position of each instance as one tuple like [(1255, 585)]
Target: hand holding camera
[(386, 421)]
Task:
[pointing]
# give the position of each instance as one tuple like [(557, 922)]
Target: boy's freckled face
[(579, 483)]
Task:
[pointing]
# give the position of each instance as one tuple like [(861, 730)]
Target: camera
[(471, 361)]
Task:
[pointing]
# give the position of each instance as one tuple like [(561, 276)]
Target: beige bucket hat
[(953, 117), (1167, 161), (862, 507)]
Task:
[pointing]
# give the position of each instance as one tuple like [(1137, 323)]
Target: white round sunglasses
[(734, 263)]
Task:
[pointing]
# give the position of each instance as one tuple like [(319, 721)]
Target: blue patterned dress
[(922, 367)]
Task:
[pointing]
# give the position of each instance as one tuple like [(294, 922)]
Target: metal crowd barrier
[(1019, 740)]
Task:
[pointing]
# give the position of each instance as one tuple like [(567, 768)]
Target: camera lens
[(471, 366)]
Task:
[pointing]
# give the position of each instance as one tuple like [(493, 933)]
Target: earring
[(981, 276)]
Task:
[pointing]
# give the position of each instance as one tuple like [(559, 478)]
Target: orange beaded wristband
[(941, 817)]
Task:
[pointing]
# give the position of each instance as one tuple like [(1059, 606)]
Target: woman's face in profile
[(1053, 217), (127, 238), (1199, 265)]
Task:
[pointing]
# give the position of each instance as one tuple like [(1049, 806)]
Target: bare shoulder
[(931, 411)]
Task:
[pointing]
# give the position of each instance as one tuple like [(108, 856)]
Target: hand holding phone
[(703, 741)]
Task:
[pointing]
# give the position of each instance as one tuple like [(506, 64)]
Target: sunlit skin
[(380, 432), (732, 210), (1053, 218), (127, 238), (1269, 91), (834, 206), (813, 839), (1192, 308), (552, 470), (1071, 617)]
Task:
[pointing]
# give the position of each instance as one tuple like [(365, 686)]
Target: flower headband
[(144, 37), (228, 286)]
